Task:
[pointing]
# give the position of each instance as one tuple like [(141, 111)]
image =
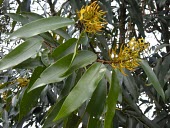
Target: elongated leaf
[(82, 91), (112, 100), (130, 84), (18, 17), (83, 39), (21, 53), (53, 73), (96, 105), (52, 114), (153, 79), (64, 49), (62, 33), (30, 63), (41, 25), (29, 100)]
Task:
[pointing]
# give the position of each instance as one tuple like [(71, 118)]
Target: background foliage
[(50, 77)]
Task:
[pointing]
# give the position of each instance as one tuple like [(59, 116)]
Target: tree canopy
[(85, 63)]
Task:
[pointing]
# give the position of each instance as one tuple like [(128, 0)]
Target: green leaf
[(130, 84), (21, 53), (29, 100), (82, 59), (112, 100), (18, 17), (41, 25), (62, 33), (82, 91), (53, 111), (64, 49), (96, 105), (53, 73), (68, 85), (30, 63), (152, 77), (83, 39)]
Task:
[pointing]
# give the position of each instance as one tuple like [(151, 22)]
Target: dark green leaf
[(153, 79), (30, 63), (112, 100), (41, 25), (53, 73), (96, 105), (21, 53), (62, 33), (29, 99), (82, 91), (64, 49)]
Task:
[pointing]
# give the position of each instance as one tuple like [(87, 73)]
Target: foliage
[(85, 63)]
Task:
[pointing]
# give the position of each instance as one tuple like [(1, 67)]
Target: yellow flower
[(128, 56), (92, 18), (23, 82)]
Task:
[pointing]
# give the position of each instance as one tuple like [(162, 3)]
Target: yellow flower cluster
[(23, 82), (91, 18), (128, 55)]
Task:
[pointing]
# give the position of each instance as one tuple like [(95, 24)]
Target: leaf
[(153, 79), (64, 49), (18, 17), (82, 59), (53, 111), (83, 39), (29, 100), (112, 100), (96, 105), (41, 25), (82, 91), (130, 85), (68, 85), (30, 63), (53, 73), (21, 53), (62, 33)]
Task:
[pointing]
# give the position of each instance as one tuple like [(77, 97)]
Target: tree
[(85, 63)]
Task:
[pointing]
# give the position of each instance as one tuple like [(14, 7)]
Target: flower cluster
[(128, 55), (91, 18), (23, 82)]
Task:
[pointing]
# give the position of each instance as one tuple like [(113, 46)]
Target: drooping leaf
[(130, 84), (29, 100), (62, 33), (53, 73), (18, 17), (82, 91), (96, 105), (112, 100), (21, 53), (53, 111), (68, 85), (41, 25), (153, 79)]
